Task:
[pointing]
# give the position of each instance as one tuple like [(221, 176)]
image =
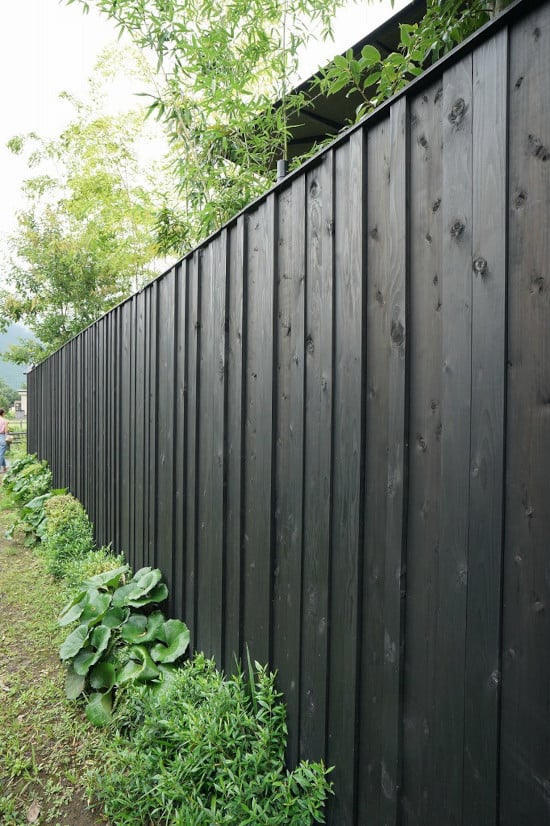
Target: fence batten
[(329, 427)]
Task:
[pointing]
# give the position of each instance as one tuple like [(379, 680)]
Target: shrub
[(68, 533), (206, 750), (94, 562)]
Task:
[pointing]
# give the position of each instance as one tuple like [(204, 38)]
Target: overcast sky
[(47, 47)]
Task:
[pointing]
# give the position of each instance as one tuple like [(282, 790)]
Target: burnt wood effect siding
[(329, 426)]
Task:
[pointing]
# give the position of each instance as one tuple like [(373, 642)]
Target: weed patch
[(206, 750)]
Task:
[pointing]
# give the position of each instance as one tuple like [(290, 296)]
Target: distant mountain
[(13, 374)]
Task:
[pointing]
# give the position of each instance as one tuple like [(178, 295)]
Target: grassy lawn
[(46, 743)]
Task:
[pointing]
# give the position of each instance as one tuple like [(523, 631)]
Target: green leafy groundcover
[(113, 641), (207, 750)]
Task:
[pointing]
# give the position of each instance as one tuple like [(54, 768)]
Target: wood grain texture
[(525, 744), (396, 472), (378, 350), (319, 378), (147, 436), (259, 424), (456, 309), (210, 433), (164, 426), (112, 423), (132, 435), (236, 354), (483, 631), (424, 453), (193, 446), (152, 457), (289, 449), (117, 426), (346, 528), (180, 446), (100, 529), (139, 427), (124, 432)]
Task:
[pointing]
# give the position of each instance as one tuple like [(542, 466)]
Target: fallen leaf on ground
[(33, 813)]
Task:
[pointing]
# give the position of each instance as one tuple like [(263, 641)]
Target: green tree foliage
[(85, 239), (221, 65), (7, 395)]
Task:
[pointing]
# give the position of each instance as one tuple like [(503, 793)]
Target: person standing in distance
[(4, 430)]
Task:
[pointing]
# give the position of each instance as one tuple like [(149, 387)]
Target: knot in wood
[(537, 149), (457, 229), (457, 112), (397, 333), (495, 677), (314, 188), (462, 576), (480, 266)]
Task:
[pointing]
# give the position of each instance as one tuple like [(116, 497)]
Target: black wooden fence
[(330, 427)]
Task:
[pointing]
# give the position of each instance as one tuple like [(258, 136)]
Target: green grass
[(47, 745)]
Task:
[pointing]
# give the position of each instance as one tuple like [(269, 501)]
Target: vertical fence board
[(139, 427), (289, 452), (424, 342), (152, 457), (91, 405), (149, 344), (117, 425), (123, 415), (237, 278), (112, 481), (193, 396), (345, 613), (260, 337), (456, 292), (487, 433), (317, 457), (134, 413), (180, 451), (210, 433), (100, 527), (396, 471), (164, 426), (525, 752), (378, 345)]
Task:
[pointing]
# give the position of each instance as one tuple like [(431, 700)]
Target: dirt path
[(46, 744)]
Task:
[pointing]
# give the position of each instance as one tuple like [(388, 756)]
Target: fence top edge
[(514, 12)]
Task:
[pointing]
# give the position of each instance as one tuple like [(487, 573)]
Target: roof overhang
[(324, 116)]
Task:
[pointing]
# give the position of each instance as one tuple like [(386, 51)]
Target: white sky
[(47, 47)]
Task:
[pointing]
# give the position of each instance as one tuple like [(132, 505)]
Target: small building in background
[(19, 408)]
